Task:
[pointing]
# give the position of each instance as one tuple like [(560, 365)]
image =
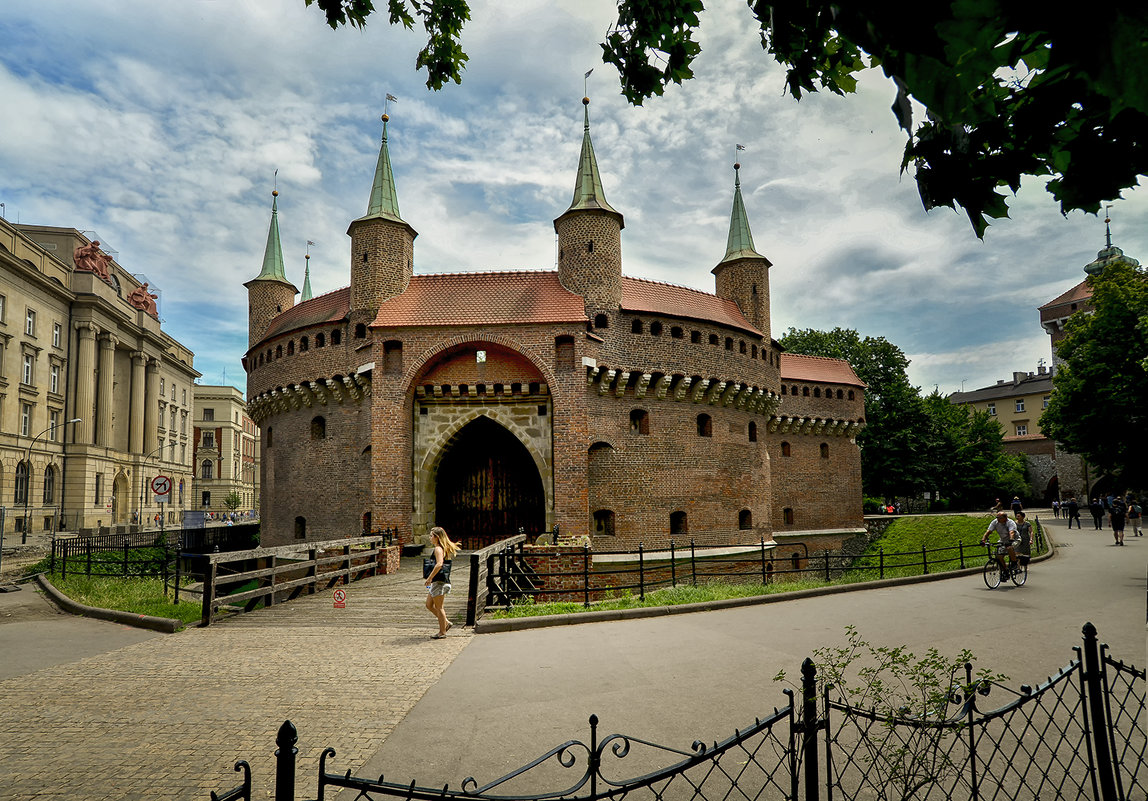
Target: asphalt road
[(509, 697)]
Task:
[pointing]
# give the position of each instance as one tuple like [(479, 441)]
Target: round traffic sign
[(161, 485)]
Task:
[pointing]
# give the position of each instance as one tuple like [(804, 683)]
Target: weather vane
[(585, 81)]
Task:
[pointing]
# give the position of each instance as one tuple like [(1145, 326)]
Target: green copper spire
[(588, 192), (384, 199), (273, 253), (307, 281), (740, 242)]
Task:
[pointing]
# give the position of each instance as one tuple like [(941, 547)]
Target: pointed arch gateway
[(487, 484)]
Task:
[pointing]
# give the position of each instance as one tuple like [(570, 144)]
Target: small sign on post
[(161, 486), (340, 598)]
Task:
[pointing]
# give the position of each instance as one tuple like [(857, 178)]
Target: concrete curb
[(523, 623), (166, 625)]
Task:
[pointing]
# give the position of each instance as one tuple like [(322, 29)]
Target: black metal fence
[(144, 553), (513, 574), (1078, 735)]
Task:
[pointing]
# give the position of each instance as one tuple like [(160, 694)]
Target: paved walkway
[(167, 717)]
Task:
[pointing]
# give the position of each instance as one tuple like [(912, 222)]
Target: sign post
[(161, 486)]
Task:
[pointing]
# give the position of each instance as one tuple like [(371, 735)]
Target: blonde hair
[(449, 546)]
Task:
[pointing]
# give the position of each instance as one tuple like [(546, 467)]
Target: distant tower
[(270, 293), (743, 274), (590, 236), (306, 294), (382, 244)]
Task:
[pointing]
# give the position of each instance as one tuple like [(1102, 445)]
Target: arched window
[(303, 344), (291, 348), (714, 339), (850, 394), (783, 388), (360, 331), (278, 351), (705, 425), (824, 450), (793, 390), (336, 337), (805, 392), (753, 355), (260, 359), (787, 517), (752, 431), (604, 523), (319, 428), (319, 341), (21, 486), (207, 469), (744, 520), (601, 321), (655, 329), (49, 485), (679, 524), (786, 450), (817, 392), (838, 394), (300, 527), (635, 326), (741, 346), (696, 337), (729, 343), (676, 332), (564, 353), (639, 421)]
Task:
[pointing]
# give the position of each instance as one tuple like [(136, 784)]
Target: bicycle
[(992, 569)]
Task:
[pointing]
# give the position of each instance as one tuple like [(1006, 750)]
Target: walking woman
[(438, 577)]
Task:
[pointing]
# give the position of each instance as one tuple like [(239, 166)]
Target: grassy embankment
[(904, 536)]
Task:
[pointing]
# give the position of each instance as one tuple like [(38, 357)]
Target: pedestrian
[(1116, 514), (1016, 506), (436, 571), (998, 506), (1056, 508), (1134, 513), (1097, 509), (1024, 532), (1072, 511)]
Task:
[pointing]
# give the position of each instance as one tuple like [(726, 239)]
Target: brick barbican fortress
[(621, 408)]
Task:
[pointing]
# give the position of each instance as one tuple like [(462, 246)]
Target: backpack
[(1118, 506)]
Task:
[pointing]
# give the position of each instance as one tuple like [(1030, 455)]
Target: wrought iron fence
[(1078, 735)]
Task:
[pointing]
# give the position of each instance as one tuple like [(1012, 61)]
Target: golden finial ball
[(274, 193), (385, 118), (308, 256), (737, 165), (585, 101)]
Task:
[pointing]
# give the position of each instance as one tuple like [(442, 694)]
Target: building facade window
[(1022, 430), (25, 419), (1044, 402), (679, 524), (56, 334), (992, 410), (54, 379), (21, 485), (1020, 404), (49, 486), (640, 421), (207, 469), (162, 387), (319, 428), (745, 520), (29, 369), (209, 415), (300, 528), (209, 439), (787, 516), (824, 450), (752, 431), (604, 523), (705, 425), (54, 423), (30, 323), (786, 449)]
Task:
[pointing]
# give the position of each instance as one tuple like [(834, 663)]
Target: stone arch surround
[(436, 431), (419, 364)]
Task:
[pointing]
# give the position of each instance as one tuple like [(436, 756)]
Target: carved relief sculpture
[(89, 259)]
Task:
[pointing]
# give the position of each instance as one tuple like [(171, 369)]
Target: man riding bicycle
[(1006, 531)]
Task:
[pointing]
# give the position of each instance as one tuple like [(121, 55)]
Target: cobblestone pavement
[(169, 717)]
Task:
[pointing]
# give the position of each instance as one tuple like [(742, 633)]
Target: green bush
[(872, 506)]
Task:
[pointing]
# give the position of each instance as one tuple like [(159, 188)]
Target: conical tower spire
[(384, 200), (273, 252), (740, 242), (306, 280), (1110, 254), (588, 192)]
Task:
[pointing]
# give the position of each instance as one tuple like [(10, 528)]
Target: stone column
[(85, 383), (151, 407), (138, 411), (104, 396)]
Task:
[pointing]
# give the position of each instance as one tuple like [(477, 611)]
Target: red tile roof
[(1080, 292), (489, 298), (799, 367), (319, 310), (655, 297)]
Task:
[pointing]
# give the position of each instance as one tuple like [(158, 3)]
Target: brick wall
[(590, 258), (265, 301), (382, 261), (746, 282)]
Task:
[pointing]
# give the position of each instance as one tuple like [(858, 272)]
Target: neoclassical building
[(613, 406), (94, 395), (226, 443)]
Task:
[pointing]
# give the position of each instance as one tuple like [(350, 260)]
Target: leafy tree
[(1099, 404), (1009, 89), (965, 456), (892, 449), (232, 501)]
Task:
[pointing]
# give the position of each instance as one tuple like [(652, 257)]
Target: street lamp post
[(28, 468), (143, 479)]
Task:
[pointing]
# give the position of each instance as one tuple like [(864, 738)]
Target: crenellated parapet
[(338, 389), (782, 424), (730, 393)]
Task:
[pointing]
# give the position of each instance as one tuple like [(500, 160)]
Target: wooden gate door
[(487, 486)]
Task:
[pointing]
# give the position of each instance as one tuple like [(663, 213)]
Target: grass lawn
[(141, 596)]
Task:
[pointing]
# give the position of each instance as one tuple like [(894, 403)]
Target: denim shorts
[(438, 588)]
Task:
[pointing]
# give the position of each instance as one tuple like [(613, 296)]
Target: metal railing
[(1078, 735)]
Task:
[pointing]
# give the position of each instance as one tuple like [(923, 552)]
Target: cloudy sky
[(159, 126)]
